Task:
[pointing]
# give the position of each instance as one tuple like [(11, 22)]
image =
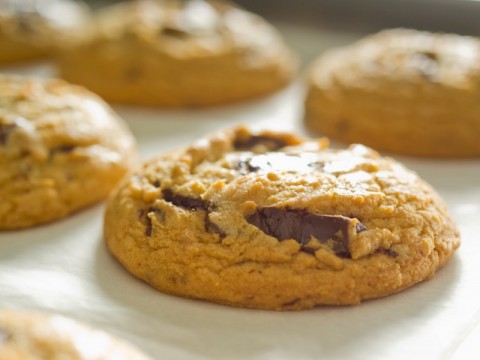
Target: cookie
[(179, 54), (273, 221), (33, 29), (403, 91), (29, 335), (61, 148)]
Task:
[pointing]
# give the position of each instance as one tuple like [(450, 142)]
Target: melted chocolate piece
[(300, 225), (185, 201), (143, 216), (303, 163), (5, 131), (244, 166), (270, 142), (212, 227), (194, 204)]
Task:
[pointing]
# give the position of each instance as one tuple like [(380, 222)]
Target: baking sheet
[(64, 267)]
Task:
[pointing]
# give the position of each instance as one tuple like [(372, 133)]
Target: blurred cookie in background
[(179, 54), (405, 91), (61, 149), (30, 335), (31, 29)]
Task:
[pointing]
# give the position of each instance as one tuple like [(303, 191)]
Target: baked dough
[(31, 29), (272, 221), (179, 54), (61, 148), (403, 91)]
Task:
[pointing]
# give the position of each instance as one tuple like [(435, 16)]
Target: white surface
[(64, 267)]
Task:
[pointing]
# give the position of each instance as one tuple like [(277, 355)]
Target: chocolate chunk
[(244, 166), (4, 335), (157, 183), (185, 201), (194, 204), (306, 162), (270, 142), (300, 225), (143, 215), (5, 131), (212, 227)]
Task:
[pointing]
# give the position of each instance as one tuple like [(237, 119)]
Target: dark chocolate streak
[(5, 131), (143, 216), (270, 142), (185, 201), (300, 225)]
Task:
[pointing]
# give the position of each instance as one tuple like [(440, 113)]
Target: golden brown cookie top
[(40, 20), (188, 29), (259, 188), (406, 58), (25, 336), (44, 121)]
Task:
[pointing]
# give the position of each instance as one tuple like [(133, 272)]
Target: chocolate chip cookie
[(179, 54), (273, 221), (32, 29), (61, 148), (28, 336), (400, 90)]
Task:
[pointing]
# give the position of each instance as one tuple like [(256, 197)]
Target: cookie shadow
[(184, 328)]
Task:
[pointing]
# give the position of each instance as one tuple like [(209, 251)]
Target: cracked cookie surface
[(31, 335), (179, 54), (61, 148), (273, 221), (400, 90)]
